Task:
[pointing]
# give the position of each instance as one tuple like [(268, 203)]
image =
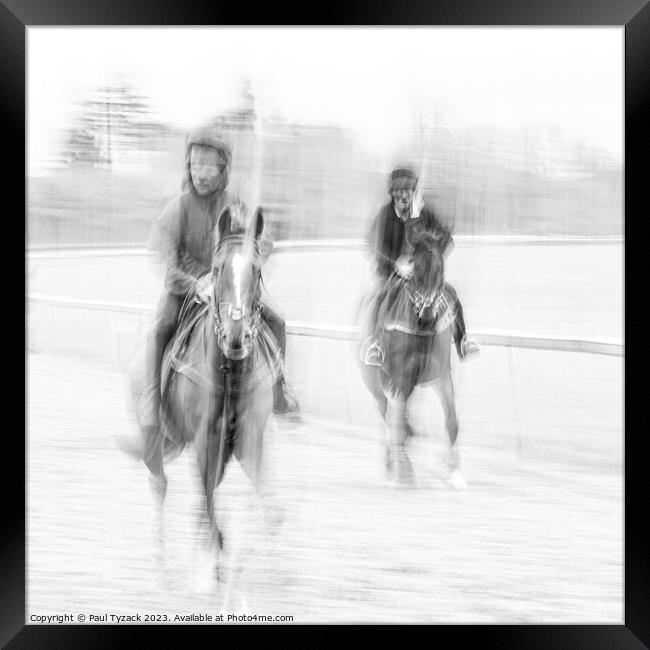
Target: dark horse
[(416, 339), (219, 369)]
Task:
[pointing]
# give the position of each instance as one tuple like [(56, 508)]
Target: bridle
[(226, 310), (223, 311)]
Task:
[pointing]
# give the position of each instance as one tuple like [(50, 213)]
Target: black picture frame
[(633, 15)]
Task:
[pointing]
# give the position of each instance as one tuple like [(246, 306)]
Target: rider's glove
[(203, 287), (404, 267)]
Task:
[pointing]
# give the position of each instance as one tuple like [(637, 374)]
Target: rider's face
[(403, 199), (206, 167)]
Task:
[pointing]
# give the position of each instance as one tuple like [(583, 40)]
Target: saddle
[(188, 351), (409, 358)]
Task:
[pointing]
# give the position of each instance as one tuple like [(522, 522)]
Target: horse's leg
[(386, 433), (211, 478), (446, 392), (150, 447), (206, 557), (153, 458), (382, 408), (249, 451), (372, 378), (212, 455), (253, 416), (396, 427), (218, 454), (372, 375), (410, 432)]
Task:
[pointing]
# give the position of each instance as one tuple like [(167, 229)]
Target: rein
[(421, 301)]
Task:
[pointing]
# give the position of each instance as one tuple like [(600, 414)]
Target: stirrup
[(469, 348), (374, 355)]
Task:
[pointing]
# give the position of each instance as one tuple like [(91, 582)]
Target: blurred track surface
[(537, 537)]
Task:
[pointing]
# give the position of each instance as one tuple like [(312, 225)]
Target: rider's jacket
[(390, 235), (185, 231), (184, 234)]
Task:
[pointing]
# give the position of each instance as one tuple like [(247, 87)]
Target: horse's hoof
[(131, 446), (456, 480), (158, 486), (406, 482), (453, 459), (405, 473), (406, 479)]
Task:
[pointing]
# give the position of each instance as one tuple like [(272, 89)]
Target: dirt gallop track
[(530, 541)]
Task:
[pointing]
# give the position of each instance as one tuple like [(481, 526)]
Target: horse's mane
[(428, 258), (231, 243), (425, 242), (236, 238)]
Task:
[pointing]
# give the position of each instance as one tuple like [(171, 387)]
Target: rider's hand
[(404, 267), (203, 287)]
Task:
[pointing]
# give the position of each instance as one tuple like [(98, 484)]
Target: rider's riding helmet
[(402, 178), (208, 136)]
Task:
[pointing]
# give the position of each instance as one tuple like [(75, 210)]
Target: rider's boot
[(284, 400), (466, 346), (455, 478), (153, 459), (372, 353)]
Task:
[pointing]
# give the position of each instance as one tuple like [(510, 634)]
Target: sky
[(366, 79)]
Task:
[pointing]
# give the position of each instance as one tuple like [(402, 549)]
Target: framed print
[(326, 324)]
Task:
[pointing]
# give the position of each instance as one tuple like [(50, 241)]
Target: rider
[(185, 237), (390, 236)]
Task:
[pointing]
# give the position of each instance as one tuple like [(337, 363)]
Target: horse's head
[(428, 274), (236, 269)]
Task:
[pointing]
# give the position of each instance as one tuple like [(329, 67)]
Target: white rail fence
[(504, 403), (501, 338), (50, 252)]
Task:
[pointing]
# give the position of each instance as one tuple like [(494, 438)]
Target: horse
[(416, 336), (218, 372)]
